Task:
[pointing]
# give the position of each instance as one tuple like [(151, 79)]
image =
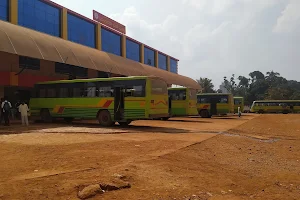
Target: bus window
[(42, 93), (138, 91), (193, 94), (105, 91), (159, 87), (237, 102), (224, 100), (201, 99), (91, 90), (63, 93), (78, 90), (177, 94), (51, 93)]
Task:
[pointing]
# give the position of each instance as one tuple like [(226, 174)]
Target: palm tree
[(206, 85)]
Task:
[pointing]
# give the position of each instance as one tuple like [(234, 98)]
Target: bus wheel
[(125, 123), (285, 112), (45, 116), (165, 118), (261, 112), (204, 114), (68, 119), (104, 118)]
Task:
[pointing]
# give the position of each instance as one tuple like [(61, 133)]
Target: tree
[(259, 87), (230, 85), (256, 75), (206, 85)]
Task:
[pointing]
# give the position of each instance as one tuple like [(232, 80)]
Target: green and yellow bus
[(110, 100), (182, 101), (275, 106), (209, 104), (238, 102)]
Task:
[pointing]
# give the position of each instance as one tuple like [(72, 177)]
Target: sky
[(211, 38)]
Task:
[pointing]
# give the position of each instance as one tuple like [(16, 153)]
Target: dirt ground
[(254, 157)]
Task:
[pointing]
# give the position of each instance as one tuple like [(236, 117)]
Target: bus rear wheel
[(204, 114), (285, 112), (68, 119), (261, 112), (165, 118), (104, 118)]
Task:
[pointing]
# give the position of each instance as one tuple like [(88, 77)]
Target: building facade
[(50, 18), (27, 63)]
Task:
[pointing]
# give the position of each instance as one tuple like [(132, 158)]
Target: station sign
[(109, 22)]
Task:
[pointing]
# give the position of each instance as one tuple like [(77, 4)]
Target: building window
[(111, 42), (40, 16), (173, 66), (132, 50), (162, 61), (71, 70), (29, 63), (4, 10), (81, 31), (149, 56)]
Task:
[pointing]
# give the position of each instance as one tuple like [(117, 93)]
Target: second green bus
[(210, 104)]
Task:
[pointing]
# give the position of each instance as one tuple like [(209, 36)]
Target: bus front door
[(213, 107), (119, 102)]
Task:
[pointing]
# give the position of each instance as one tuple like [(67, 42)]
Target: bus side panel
[(135, 108), (179, 107), (72, 107), (224, 108), (192, 107), (157, 105)]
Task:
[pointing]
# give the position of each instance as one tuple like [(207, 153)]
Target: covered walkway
[(26, 42)]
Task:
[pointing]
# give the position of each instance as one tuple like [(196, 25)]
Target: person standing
[(23, 109), (239, 111), (1, 111), (5, 107)]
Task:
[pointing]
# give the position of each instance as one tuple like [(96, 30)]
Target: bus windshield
[(158, 87)]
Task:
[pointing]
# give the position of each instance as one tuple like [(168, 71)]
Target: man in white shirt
[(23, 109), (6, 107)]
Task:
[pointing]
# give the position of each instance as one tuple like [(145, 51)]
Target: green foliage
[(206, 85), (259, 87)]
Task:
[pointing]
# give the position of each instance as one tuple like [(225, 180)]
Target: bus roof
[(213, 94), (266, 101), (238, 97), (100, 79), (179, 88)]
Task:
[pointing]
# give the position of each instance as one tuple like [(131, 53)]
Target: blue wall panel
[(81, 31), (132, 50), (4, 10), (149, 57), (111, 42), (162, 61), (39, 16), (173, 66)]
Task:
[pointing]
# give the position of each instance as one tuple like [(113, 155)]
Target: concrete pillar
[(13, 11), (98, 37), (156, 59), (168, 63), (142, 53), (64, 24), (124, 46)]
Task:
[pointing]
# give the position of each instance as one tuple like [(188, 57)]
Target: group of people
[(6, 109)]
